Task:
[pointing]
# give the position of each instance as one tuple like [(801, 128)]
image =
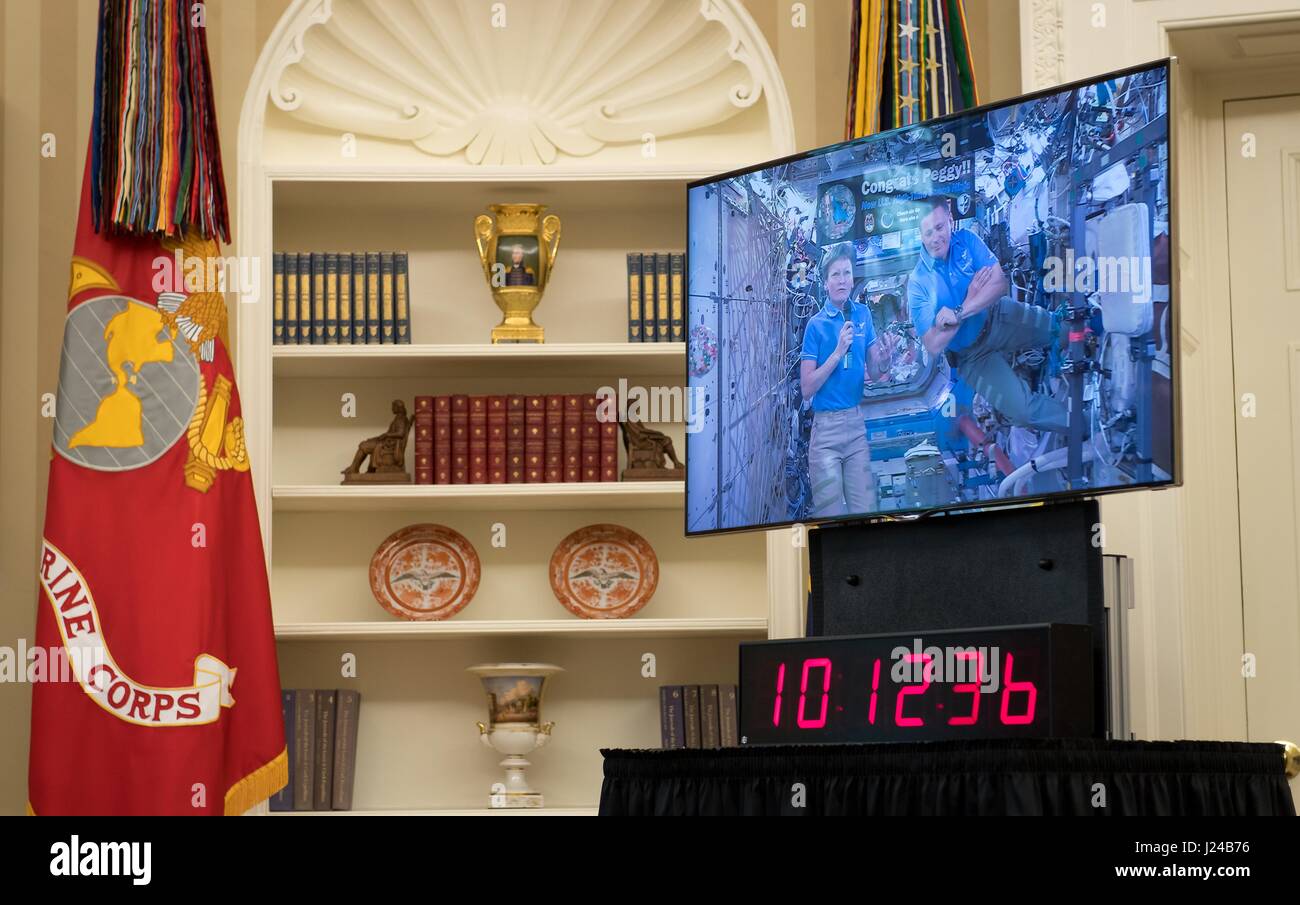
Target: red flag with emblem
[(160, 692)]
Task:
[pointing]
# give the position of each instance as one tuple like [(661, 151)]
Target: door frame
[(1216, 628), (1213, 92)]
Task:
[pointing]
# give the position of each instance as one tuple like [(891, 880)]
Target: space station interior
[(1070, 194)]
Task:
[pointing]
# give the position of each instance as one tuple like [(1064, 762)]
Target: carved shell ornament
[(521, 82)]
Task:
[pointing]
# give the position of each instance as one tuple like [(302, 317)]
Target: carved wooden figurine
[(646, 451), (387, 453)]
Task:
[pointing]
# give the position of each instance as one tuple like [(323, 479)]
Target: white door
[(1264, 258)]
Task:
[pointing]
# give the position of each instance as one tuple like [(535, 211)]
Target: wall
[(46, 85)]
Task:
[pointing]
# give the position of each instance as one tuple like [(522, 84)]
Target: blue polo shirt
[(936, 284), (843, 388)]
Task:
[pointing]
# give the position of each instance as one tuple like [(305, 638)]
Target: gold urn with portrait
[(517, 246)]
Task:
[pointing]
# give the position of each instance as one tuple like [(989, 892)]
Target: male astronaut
[(957, 298), (839, 348)]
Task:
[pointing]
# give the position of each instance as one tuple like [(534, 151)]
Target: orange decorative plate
[(424, 572), (604, 572)]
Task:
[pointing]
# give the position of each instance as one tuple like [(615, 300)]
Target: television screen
[(971, 311)]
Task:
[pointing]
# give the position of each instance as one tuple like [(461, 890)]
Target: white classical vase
[(514, 727)]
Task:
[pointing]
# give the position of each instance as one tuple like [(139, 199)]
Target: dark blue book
[(348, 715), (672, 719), (663, 315), (373, 336), (283, 799), (291, 298), (648, 332), (729, 734), (304, 299), (345, 299), (331, 298), (304, 747), (710, 725), (387, 299), (277, 298), (359, 297), (323, 750), (691, 715), (634, 296), (317, 298), (402, 288), (676, 301)]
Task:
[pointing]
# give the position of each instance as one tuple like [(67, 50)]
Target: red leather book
[(423, 439), (573, 438), (478, 453), (590, 439), (442, 439), (534, 439), (496, 439), (515, 439), (555, 438), (460, 439), (609, 450)]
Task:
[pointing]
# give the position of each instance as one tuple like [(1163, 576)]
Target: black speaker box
[(964, 570)]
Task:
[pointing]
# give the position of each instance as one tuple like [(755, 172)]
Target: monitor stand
[(1028, 564)]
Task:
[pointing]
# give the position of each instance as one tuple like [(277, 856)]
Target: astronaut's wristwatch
[(957, 311)]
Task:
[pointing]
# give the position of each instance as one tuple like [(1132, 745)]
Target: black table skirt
[(1040, 777)]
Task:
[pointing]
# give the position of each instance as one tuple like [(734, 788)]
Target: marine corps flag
[(153, 589)]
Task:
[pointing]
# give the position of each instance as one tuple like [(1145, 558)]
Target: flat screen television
[(973, 311)]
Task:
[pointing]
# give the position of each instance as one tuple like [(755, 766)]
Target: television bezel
[(1175, 317)]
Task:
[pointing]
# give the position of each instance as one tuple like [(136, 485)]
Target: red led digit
[(1008, 687), (780, 686), (973, 688), (875, 684), (899, 719), (808, 666)]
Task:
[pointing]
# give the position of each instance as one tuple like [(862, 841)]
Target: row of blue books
[(655, 299), (320, 736), (698, 716), (341, 298)]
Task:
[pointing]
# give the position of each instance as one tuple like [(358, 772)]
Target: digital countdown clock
[(1022, 681)]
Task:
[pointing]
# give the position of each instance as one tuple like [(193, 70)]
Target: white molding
[(661, 360), (464, 812), (787, 587), (477, 497), (1293, 364), (401, 72), (1042, 44), (437, 172), (552, 628), (1291, 216)]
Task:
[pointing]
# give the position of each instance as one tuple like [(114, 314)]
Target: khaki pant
[(839, 465), (985, 368)]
